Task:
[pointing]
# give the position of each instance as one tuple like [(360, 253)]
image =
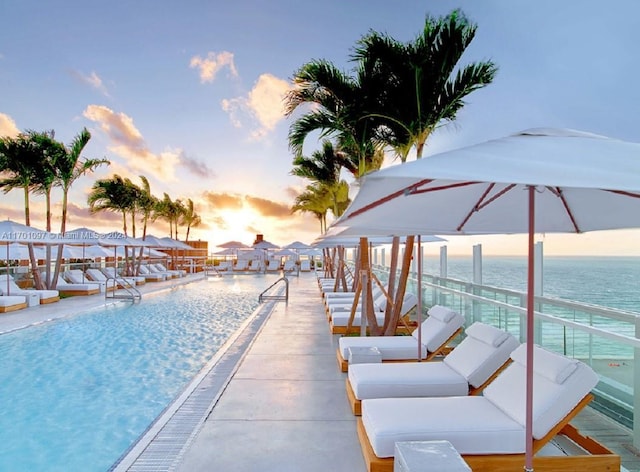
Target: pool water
[(77, 392)]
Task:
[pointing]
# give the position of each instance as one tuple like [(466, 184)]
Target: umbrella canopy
[(20, 252), (296, 245), (232, 245), (174, 243), (82, 236), (544, 180), (153, 241), (264, 244), (285, 253), (116, 238), (13, 232)]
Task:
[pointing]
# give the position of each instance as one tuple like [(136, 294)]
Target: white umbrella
[(296, 245), (544, 180), (264, 244), (232, 245)]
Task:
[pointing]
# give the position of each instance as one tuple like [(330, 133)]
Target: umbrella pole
[(419, 297), (528, 465)]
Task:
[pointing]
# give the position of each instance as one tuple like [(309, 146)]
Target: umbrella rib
[(404, 191), (480, 204), (560, 195)]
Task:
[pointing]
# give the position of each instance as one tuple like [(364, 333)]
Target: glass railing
[(604, 338)]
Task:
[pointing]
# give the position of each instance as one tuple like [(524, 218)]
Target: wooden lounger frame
[(44, 301), (442, 350), (73, 293), (599, 459), (356, 404), (17, 306)]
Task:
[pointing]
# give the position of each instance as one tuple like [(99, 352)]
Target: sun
[(236, 226)]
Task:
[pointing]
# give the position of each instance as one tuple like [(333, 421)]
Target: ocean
[(612, 282)]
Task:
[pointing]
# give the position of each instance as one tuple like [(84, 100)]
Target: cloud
[(268, 207), (210, 66), (223, 201), (197, 167), (262, 105), (93, 80), (129, 143), (8, 126)]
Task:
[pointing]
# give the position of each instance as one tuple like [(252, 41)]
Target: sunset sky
[(189, 94)]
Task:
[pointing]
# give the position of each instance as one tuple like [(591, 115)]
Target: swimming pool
[(77, 392)]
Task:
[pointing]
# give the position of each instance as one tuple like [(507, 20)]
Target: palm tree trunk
[(63, 228)]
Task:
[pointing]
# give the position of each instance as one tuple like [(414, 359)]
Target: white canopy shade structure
[(264, 244), (296, 245), (153, 241), (538, 180), (175, 244), (14, 232), (232, 245)]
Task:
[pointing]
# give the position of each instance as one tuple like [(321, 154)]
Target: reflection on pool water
[(76, 393)]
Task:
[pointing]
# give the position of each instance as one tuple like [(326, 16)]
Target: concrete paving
[(285, 408)]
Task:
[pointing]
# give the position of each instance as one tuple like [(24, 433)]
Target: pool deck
[(281, 403)]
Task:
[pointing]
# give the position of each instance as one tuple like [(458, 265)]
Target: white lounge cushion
[(473, 425), (553, 366), (477, 360), (552, 401), (435, 332), (406, 379), (11, 300), (441, 313), (341, 318), (487, 334), (391, 347)]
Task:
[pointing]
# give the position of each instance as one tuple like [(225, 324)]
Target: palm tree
[(71, 167), (190, 218), (171, 211), (44, 179), (425, 86), (316, 200), (323, 169), (21, 158), (146, 203), (44, 175), (342, 112), (114, 195)]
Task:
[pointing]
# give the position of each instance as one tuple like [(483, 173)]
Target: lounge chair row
[(473, 397)]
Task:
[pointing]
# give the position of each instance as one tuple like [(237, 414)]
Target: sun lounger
[(241, 265), (69, 289), (154, 270), (76, 276), (465, 371), (46, 296), (289, 265), (111, 283), (440, 327), (256, 265), (12, 303), (305, 265), (175, 272), (273, 266), (152, 276), (110, 272), (340, 319), (489, 430)]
